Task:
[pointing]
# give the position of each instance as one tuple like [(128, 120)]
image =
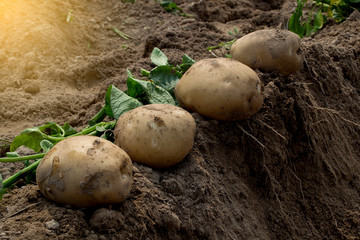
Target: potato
[(85, 171), (269, 50), (220, 88), (156, 135)]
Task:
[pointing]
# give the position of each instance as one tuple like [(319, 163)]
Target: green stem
[(83, 132), (98, 117), (17, 176), (22, 158)]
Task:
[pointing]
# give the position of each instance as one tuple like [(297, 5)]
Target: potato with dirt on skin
[(269, 50), (85, 171), (220, 88), (156, 135)]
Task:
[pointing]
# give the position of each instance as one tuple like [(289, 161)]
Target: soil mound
[(290, 172)]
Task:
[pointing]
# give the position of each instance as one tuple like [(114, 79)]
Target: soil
[(292, 171)]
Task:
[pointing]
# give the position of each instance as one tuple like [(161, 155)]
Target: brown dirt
[(290, 172)]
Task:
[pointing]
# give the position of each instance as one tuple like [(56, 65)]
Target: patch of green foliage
[(226, 45), (158, 87), (319, 13), (172, 7)]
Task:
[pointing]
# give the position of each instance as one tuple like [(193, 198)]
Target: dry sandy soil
[(290, 172)]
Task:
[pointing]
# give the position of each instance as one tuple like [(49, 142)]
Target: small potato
[(269, 50), (156, 135), (220, 88), (85, 171)]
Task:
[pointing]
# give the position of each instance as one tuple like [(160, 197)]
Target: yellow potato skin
[(85, 171), (156, 135), (220, 88), (269, 50)]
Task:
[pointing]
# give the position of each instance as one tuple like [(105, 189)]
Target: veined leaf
[(117, 102), (134, 89), (159, 58), (154, 93), (46, 145), (309, 29), (187, 60), (319, 20), (165, 77), (68, 130), (294, 22), (30, 137), (187, 63)]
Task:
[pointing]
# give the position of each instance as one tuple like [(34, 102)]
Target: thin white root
[(254, 138), (284, 138)]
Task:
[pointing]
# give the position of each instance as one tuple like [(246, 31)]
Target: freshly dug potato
[(220, 88), (85, 171), (269, 50), (156, 135)]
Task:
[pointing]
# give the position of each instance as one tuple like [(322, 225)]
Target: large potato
[(220, 88), (269, 50), (85, 171), (156, 135)]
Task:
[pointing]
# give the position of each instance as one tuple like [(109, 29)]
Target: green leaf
[(319, 20), (169, 6), (68, 130), (52, 129), (144, 73), (30, 137), (158, 57), (355, 1), (165, 77), (294, 22), (100, 128), (12, 154), (46, 145), (117, 102), (153, 93), (187, 62), (134, 89), (309, 29)]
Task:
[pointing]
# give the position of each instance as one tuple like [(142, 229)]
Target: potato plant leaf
[(318, 20), (309, 29), (165, 77), (294, 22), (158, 57), (117, 102), (135, 90), (170, 6), (153, 93), (12, 154), (68, 130), (46, 145), (52, 129), (187, 62), (30, 137)]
